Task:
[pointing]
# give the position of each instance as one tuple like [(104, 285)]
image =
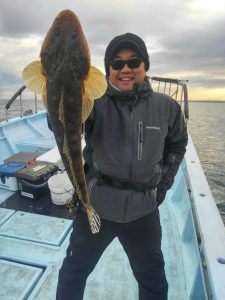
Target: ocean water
[(207, 128)]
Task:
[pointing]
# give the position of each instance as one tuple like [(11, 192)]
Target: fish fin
[(95, 84), (44, 100), (94, 219), (87, 106), (94, 87), (35, 80)]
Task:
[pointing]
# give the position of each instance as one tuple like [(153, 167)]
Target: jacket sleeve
[(174, 149)]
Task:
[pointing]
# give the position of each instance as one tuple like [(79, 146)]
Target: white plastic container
[(52, 156), (9, 183), (8, 180), (61, 189)]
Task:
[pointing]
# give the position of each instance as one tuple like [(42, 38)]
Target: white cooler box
[(52, 156), (8, 170)]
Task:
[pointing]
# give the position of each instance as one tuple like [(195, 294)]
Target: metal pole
[(181, 97), (177, 91), (21, 108), (6, 115), (164, 87), (158, 85), (169, 88)]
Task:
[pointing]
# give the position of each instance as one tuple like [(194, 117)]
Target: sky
[(185, 39)]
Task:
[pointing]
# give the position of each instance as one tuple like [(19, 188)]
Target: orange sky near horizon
[(206, 94)]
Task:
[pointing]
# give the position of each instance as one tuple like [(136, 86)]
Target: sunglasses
[(133, 63)]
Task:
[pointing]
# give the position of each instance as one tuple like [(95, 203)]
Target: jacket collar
[(139, 90)]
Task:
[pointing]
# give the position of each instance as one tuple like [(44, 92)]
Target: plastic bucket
[(61, 189)]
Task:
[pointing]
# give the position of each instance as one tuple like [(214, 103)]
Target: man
[(135, 142)]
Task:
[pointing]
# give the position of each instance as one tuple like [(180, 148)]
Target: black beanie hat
[(129, 41)]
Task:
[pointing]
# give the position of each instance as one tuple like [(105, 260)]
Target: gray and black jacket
[(136, 137)]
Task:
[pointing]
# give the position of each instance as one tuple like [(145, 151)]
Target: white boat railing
[(175, 88), (208, 222), (14, 98)]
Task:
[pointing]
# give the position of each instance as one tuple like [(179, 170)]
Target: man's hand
[(161, 193)]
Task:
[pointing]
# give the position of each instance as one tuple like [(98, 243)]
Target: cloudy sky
[(185, 39)]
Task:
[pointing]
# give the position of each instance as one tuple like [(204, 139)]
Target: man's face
[(125, 78)]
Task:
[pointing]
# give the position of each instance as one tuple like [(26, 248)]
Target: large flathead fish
[(68, 85)]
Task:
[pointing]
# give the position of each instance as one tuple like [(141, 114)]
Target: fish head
[(65, 49)]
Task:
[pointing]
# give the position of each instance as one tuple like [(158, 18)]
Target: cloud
[(196, 53), (183, 37)]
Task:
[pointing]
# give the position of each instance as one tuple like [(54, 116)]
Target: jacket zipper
[(140, 139), (167, 166), (131, 133)]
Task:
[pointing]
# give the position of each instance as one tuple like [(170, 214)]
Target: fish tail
[(94, 219)]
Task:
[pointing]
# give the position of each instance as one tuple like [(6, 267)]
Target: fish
[(68, 85)]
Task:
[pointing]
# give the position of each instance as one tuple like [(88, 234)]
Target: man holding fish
[(135, 142)]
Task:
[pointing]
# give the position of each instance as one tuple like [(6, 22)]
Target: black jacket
[(138, 137)]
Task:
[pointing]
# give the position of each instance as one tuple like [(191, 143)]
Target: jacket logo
[(152, 127)]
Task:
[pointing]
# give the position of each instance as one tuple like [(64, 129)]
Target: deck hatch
[(18, 279), (5, 214), (36, 228)]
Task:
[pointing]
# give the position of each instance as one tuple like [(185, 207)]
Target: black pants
[(141, 240)]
